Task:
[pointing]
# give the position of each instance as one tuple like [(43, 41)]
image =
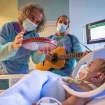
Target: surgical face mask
[(28, 25), (83, 71), (61, 28)]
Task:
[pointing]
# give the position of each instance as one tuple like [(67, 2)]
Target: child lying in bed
[(40, 84), (92, 76)]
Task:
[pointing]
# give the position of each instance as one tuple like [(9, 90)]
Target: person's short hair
[(25, 11), (64, 17)]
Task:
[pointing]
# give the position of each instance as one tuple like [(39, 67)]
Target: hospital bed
[(47, 77)]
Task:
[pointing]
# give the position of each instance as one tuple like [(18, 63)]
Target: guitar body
[(46, 65)]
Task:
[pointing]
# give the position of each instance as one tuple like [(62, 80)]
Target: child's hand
[(33, 103), (44, 50), (49, 57)]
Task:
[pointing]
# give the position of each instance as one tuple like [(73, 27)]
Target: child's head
[(95, 71)]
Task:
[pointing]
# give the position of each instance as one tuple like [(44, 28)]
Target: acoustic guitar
[(58, 61)]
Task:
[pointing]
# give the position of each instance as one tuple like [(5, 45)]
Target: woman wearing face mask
[(14, 57), (68, 42)]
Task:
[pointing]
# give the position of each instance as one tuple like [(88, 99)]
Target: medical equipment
[(95, 32), (39, 43), (6, 81)]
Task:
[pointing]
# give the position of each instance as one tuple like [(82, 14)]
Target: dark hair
[(25, 11), (64, 17)]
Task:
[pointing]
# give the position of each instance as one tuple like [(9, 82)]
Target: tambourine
[(39, 43)]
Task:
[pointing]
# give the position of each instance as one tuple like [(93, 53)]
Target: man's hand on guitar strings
[(49, 57), (85, 53)]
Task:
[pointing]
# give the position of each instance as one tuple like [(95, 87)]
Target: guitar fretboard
[(71, 55)]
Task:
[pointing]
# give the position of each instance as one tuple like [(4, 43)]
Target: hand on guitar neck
[(85, 53), (57, 59)]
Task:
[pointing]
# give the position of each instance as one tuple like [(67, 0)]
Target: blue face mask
[(61, 27), (28, 25)]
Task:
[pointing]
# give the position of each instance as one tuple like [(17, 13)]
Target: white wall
[(50, 29), (83, 12)]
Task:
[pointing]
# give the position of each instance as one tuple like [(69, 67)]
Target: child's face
[(93, 68)]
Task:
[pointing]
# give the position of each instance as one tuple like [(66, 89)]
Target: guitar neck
[(71, 55)]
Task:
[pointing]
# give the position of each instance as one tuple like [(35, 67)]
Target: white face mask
[(61, 28), (83, 70), (28, 25)]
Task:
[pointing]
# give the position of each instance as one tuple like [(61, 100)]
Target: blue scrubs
[(71, 45), (16, 61)]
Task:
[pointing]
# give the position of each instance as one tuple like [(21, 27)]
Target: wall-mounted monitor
[(95, 32)]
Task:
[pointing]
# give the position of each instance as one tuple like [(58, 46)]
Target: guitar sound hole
[(55, 58)]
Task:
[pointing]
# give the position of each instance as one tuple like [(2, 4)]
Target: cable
[(82, 44), (83, 37)]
